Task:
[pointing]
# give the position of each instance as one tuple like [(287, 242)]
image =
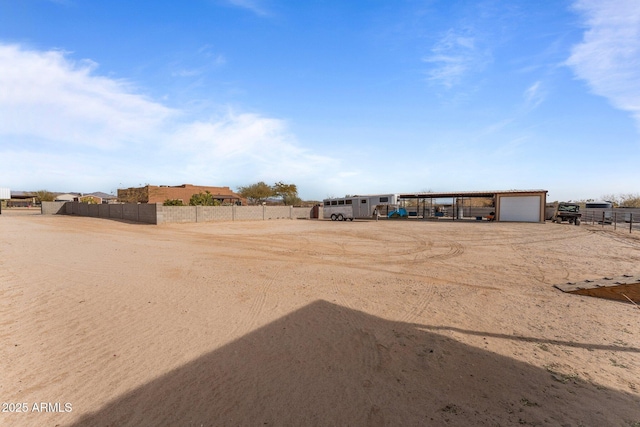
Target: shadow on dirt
[(329, 365)]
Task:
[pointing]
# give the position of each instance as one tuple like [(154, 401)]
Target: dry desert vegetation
[(313, 323)]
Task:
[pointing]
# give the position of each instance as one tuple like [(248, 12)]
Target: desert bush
[(203, 199), (44, 196)]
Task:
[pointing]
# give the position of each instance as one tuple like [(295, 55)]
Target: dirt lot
[(313, 323)]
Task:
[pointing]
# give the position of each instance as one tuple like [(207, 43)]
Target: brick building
[(158, 194)]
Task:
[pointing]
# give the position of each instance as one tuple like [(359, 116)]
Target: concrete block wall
[(152, 213), (300, 213), (115, 211), (148, 213), (277, 212), (81, 209), (215, 213), (53, 208), (94, 210), (250, 213), (130, 212), (225, 213), (167, 214), (103, 211)]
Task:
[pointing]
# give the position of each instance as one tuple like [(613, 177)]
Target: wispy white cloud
[(187, 72), (510, 148), (256, 145), (219, 60), (47, 96), (455, 55), (534, 95), (608, 58), (202, 61), (57, 115), (213, 58), (256, 6)]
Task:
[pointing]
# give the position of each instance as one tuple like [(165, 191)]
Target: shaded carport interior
[(509, 205)]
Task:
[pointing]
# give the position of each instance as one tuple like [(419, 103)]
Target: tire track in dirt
[(355, 247), (365, 343), (539, 271), (343, 301), (420, 251), (416, 310), (336, 252), (348, 246), (455, 250), (12, 286), (627, 240), (377, 267), (520, 246), (369, 347), (256, 310), (425, 295), (506, 237)]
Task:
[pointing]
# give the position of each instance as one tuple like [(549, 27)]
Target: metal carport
[(510, 205)]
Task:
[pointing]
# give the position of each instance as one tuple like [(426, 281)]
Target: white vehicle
[(359, 206)]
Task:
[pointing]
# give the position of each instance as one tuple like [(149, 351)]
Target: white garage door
[(521, 208)]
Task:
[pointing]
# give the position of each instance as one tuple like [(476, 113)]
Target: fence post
[(630, 221), (603, 219), (615, 220)]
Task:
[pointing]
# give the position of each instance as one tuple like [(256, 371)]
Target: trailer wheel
[(333, 217), (577, 221), (340, 217)]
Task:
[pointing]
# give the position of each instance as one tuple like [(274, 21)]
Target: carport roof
[(465, 194)]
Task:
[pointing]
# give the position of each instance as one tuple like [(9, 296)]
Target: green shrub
[(203, 199)]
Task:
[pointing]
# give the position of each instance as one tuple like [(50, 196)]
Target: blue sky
[(337, 97)]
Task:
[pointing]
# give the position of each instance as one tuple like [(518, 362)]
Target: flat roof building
[(161, 193)]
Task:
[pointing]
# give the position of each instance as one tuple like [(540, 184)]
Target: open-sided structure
[(510, 205)]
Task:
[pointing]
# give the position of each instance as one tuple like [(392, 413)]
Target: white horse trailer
[(339, 213), (359, 206)]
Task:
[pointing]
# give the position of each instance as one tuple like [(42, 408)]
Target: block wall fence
[(156, 213)]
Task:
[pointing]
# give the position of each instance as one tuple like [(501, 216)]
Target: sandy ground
[(313, 323)]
